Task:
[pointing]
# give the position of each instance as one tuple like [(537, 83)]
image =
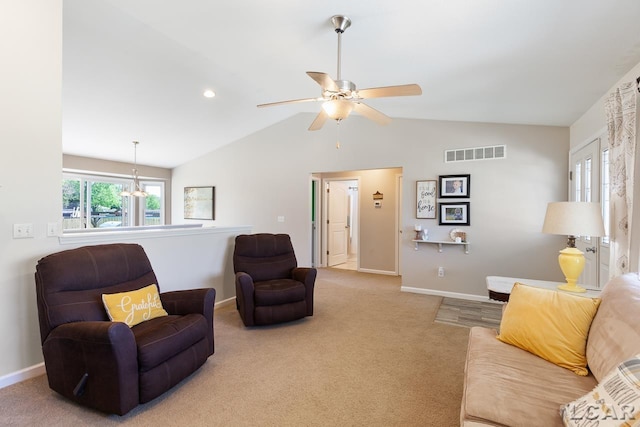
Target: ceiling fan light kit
[(338, 109), (340, 97)]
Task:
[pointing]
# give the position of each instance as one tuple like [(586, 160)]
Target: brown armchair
[(270, 287), (108, 365)]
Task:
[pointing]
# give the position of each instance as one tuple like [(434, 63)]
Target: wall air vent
[(478, 153)]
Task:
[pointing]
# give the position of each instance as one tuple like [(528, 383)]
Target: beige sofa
[(507, 386)]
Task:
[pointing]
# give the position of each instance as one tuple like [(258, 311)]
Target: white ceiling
[(136, 69)]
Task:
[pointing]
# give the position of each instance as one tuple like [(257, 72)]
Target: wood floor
[(459, 312)]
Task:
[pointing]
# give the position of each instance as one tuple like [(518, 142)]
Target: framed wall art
[(426, 199), (199, 202), (452, 186), (454, 213)]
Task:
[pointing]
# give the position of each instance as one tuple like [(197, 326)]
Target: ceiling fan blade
[(319, 120), (371, 113), (380, 92), (292, 101), (324, 80)]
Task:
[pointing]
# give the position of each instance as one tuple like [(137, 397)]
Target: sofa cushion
[(551, 324), (279, 291), (133, 307), (615, 332), (613, 402), (161, 338), (505, 385)]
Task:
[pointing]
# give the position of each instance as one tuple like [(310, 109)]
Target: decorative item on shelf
[(457, 235), (137, 191), (418, 230), (573, 219), (377, 195)]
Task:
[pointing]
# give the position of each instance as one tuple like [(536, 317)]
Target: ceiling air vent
[(477, 153)]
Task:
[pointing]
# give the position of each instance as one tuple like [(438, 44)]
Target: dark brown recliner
[(107, 365), (270, 287)]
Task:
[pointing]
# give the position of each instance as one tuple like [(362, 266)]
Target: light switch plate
[(52, 229), (23, 231)]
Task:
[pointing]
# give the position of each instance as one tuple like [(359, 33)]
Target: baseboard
[(447, 294), (22, 375), (388, 273), (225, 302)]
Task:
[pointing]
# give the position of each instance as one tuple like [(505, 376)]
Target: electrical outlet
[(23, 231), (280, 218), (440, 271)]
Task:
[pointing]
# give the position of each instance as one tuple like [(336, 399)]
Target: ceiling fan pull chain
[(338, 134)]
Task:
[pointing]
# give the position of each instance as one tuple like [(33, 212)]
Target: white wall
[(267, 174), (30, 164)]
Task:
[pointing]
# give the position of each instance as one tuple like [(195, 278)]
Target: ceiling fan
[(340, 97)]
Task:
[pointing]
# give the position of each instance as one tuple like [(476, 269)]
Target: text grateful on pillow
[(134, 307)]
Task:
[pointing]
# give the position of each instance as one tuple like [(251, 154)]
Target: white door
[(338, 208), (585, 187)]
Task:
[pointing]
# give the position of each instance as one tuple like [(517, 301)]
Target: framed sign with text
[(426, 192)]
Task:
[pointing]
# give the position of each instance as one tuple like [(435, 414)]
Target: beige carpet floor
[(370, 356)]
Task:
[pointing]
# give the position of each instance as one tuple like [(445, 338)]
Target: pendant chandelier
[(137, 191)]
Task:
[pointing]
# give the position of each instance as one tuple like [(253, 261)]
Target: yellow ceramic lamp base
[(571, 262)]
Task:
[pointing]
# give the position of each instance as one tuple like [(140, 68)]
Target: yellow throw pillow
[(550, 324), (135, 306)]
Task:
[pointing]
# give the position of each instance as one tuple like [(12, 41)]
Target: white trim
[(89, 237), (225, 303), (447, 294), (22, 375), (385, 272)]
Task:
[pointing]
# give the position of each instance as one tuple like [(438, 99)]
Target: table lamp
[(573, 219)]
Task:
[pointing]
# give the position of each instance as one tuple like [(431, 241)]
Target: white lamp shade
[(338, 109), (574, 219)]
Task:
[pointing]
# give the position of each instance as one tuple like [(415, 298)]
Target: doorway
[(589, 182), (342, 223), (364, 233)]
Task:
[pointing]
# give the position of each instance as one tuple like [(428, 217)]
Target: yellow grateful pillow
[(135, 306), (551, 324)]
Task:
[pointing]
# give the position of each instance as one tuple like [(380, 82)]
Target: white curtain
[(621, 111)]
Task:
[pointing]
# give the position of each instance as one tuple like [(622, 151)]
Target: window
[(93, 202), (154, 203)]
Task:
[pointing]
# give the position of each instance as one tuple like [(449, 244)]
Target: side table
[(499, 287)]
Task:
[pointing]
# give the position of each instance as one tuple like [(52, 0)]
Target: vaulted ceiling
[(137, 69)]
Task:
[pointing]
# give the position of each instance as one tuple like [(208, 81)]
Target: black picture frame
[(454, 213), (200, 203), (455, 186)]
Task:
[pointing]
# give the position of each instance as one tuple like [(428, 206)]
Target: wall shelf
[(440, 243)]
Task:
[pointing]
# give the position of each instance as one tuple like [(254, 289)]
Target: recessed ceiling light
[(209, 93)]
